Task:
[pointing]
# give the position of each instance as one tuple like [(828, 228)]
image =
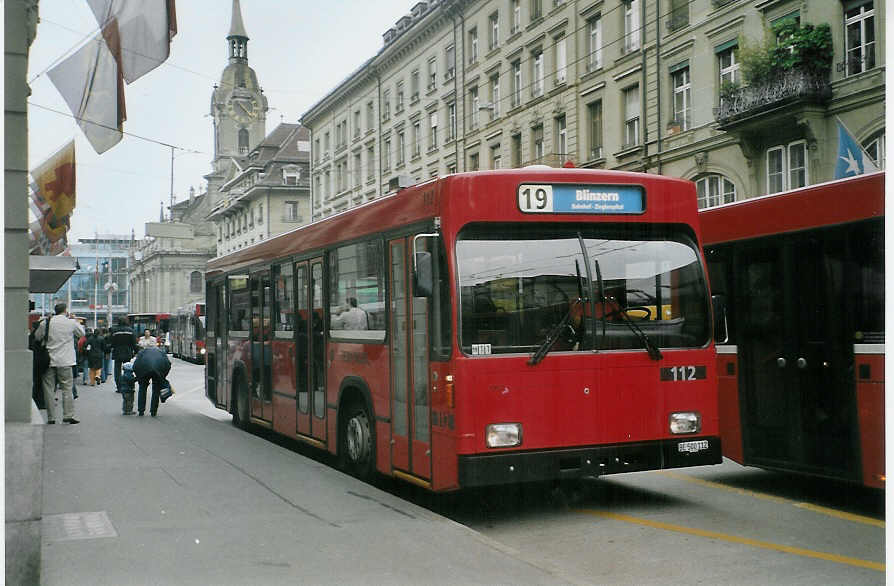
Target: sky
[(298, 49)]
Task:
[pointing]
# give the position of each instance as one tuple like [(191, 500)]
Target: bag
[(166, 392), (41, 354)]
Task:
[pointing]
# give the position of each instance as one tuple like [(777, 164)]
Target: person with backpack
[(93, 350), (58, 333), (127, 384), (124, 347)]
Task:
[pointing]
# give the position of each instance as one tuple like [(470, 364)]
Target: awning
[(48, 273)]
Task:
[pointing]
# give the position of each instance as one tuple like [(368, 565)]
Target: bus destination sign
[(565, 198)]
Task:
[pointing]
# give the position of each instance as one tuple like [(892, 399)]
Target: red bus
[(157, 323), (478, 329), (801, 363), (187, 333)]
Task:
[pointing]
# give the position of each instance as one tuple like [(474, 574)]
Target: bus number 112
[(535, 198)]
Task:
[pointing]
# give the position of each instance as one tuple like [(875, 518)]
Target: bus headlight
[(202, 351), (685, 422), (504, 435)]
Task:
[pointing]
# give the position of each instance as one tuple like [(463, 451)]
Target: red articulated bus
[(478, 329), (188, 333), (157, 323), (801, 356)]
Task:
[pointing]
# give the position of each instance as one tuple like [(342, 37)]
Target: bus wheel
[(241, 409), (357, 446)]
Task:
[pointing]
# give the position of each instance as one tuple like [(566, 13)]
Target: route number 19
[(533, 199)]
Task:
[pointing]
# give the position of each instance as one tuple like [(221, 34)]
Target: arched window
[(713, 190), (243, 141), (195, 282), (875, 148)]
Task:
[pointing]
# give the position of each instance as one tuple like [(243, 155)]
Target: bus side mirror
[(423, 285), (721, 324)]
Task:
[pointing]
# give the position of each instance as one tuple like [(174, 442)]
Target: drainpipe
[(658, 76), (643, 100), (379, 126), (456, 65)]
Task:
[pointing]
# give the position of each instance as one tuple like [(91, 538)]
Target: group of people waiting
[(69, 343)]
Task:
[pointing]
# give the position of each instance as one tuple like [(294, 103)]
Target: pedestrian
[(106, 354), (148, 340), (127, 380), (124, 346), (93, 349), (82, 355), (59, 333), (351, 318), (37, 370), (151, 364)]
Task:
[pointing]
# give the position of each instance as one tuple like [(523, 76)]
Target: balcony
[(786, 93)]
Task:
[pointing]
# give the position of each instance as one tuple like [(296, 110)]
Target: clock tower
[(238, 106)]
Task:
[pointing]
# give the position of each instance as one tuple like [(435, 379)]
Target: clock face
[(243, 109)]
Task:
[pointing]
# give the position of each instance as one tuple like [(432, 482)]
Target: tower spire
[(237, 39), (237, 29)]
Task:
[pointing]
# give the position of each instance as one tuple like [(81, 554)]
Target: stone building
[(259, 185), (618, 84)]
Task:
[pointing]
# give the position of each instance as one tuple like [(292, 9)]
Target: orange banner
[(56, 185)]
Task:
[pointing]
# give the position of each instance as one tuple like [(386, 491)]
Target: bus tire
[(241, 407), (357, 442)]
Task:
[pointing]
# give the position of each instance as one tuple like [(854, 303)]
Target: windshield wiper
[(553, 335), (648, 344)]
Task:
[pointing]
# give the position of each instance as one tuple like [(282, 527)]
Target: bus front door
[(798, 400), (261, 350), (303, 345), (410, 397)]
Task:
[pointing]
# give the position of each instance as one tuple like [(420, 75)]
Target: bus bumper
[(512, 467)]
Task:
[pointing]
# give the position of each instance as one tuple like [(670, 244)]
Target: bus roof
[(473, 196), (824, 204)]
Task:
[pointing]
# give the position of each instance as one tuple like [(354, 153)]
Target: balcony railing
[(789, 85)]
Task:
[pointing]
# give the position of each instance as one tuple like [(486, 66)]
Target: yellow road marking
[(831, 557), (807, 506)]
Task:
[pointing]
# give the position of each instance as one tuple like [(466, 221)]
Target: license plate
[(692, 447)]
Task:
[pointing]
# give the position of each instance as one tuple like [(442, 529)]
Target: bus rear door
[(410, 397), (261, 351)]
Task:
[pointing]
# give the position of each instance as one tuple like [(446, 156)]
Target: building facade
[(259, 184), (672, 87), (99, 290)]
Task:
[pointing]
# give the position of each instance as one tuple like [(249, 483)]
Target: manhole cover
[(69, 526)]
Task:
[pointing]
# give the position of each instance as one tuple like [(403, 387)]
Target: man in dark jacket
[(150, 364), (124, 346)]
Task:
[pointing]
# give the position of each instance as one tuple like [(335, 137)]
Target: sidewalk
[(186, 498)]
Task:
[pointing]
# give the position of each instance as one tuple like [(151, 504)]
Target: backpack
[(41, 354)]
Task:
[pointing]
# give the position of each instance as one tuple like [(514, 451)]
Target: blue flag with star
[(852, 160)]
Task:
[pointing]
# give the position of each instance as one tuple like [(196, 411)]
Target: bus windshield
[(518, 282)]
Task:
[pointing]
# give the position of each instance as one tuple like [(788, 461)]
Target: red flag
[(55, 186)]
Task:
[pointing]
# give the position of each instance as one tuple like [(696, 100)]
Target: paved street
[(186, 498)]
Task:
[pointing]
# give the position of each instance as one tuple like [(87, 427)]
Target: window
[(536, 9), (474, 163), (516, 83), (537, 143), (631, 116), (386, 105), (515, 12), (432, 74), (316, 150), (515, 150), (401, 147), (787, 167), (561, 137), (473, 45), (728, 64), (631, 25), (561, 60), (451, 120), (370, 116), (594, 43), (414, 86), (714, 190), (450, 60), (260, 212), (859, 38), (357, 292), (196, 282), (370, 163), (417, 138), (358, 164), (537, 73), (326, 143), (290, 211), (594, 119), (239, 305), (474, 105), (290, 175), (433, 133), (493, 39), (682, 97), (679, 15), (875, 148), (399, 97), (495, 96), (495, 157), (356, 123), (283, 310), (386, 154), (243, 141)]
